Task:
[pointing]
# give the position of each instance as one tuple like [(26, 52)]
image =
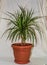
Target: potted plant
[(22, 26)]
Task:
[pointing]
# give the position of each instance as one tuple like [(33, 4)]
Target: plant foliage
[(22, 25)]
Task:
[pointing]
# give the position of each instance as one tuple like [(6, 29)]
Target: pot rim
[(22, 46)]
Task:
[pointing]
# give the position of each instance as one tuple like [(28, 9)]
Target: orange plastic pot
[(22, 52)]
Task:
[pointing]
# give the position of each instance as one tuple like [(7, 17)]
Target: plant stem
[(22, 40)]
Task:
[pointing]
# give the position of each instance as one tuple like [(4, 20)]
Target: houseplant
[(22, 25)]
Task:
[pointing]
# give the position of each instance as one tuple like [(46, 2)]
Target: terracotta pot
[(22, 52)]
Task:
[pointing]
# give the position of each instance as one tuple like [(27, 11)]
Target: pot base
[(20, 62)]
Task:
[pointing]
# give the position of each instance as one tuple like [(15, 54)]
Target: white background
[(5, 45)]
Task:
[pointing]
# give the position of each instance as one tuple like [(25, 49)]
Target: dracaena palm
[(22, 25)]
